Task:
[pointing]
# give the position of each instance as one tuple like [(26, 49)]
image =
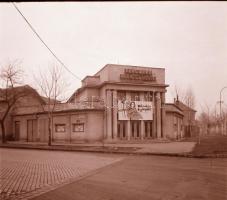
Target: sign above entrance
[(135, 110), (139, 75)]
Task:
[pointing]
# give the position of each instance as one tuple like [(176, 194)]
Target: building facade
[(189, 123), (118, 103), (123, 90)]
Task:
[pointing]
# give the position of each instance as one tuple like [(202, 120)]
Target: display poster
[(135, 110)]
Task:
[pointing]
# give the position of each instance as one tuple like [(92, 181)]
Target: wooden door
[(17, 130), (43, 130), (32, 130), (29, 131)]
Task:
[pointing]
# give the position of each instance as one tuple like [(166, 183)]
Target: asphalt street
[(150, 177)]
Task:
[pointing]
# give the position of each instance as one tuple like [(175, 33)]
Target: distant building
[(118, 103), (189, 122), (174, 122)]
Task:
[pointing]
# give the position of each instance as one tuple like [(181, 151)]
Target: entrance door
[(121, 129), (148, 129), (32, 130), (17, 130), (135, 129), (43, 130)]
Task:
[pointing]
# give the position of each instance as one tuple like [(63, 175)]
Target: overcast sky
[(188, 39)]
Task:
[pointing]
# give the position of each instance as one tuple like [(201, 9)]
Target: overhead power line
[(44, 43)]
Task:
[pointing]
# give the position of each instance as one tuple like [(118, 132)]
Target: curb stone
[(114, 150)]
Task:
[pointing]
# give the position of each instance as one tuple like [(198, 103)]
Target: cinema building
[(119, 102), (122, 90)]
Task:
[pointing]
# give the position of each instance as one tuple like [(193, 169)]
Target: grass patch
[(216, 144)]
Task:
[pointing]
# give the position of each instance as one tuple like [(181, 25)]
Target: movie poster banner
[(135, 110)]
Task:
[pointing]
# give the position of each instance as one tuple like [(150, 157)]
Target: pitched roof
[(46, 100), (171, 107), (183, 107), (19, 90)]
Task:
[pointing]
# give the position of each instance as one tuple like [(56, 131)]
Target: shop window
[(148, 96), (79, 127), (121, 95), (60, 128), (135, 96)]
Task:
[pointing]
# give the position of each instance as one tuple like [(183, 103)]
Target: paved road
[(26, 173), (150, 178)]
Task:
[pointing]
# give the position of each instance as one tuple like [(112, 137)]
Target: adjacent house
[(12, 99), (189, 122)]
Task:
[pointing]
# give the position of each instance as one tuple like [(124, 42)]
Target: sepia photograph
[(118, 100)]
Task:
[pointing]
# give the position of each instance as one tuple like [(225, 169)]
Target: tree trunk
[(49, 131), (3, 132)]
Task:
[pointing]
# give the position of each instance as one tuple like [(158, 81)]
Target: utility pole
[(220, 106)]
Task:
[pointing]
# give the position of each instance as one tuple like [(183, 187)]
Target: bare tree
[(11, 76), (185, 95), (51, 85), (189, 98)]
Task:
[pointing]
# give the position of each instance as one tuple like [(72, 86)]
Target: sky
[(188, 39)]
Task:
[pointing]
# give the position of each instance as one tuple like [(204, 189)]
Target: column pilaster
[(158, 114), (114, 114), (163, 115), (128, 97), (128, 130), (142, 126), (154, 130), (109, 114)]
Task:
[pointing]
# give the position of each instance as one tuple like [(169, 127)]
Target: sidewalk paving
[(172, 147), (159, 148)]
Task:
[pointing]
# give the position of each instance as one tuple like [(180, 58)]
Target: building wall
[(95, 130), (87, 95), (92, 121), (61, 136), (174, 126), (169, 126), (79, 118), (23, 131)]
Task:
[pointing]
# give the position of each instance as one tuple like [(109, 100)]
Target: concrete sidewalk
[(165, 148)]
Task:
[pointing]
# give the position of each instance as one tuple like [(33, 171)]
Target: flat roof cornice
[(120, 83), (61, 111), (117, 65)]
